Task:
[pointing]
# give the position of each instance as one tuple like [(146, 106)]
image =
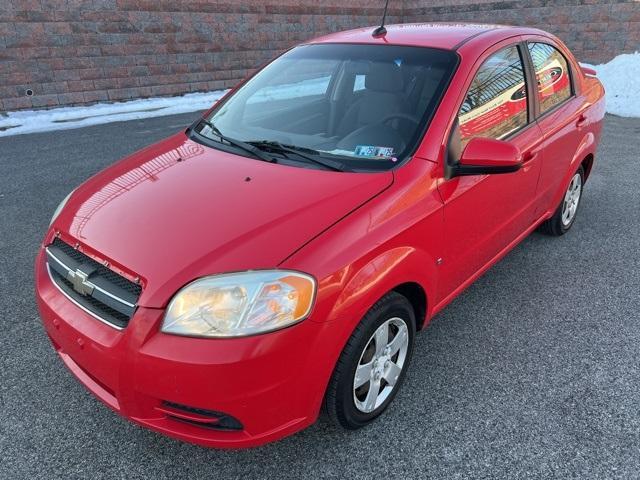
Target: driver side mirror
[(486, 156)]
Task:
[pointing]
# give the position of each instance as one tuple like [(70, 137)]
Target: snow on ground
[(621, 79), (30, 121)]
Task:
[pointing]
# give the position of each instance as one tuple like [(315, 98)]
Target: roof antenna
[(380, 31)]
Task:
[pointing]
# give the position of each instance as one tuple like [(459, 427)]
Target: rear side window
[(552, 73), (496, 103)]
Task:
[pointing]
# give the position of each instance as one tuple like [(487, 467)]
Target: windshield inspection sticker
[(372, 151)]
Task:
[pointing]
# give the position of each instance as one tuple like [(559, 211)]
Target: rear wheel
[(373, 364), (565, 214)]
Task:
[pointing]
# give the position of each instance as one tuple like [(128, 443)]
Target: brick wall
[(596, 31), (70, 52)]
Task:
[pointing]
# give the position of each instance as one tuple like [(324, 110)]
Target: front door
[(483, 214)]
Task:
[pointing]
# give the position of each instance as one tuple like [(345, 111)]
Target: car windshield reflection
[(366, 105)]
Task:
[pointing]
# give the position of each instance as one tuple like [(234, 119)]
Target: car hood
[(178, 210)]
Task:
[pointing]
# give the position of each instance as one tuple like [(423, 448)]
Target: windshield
[(363, 107)]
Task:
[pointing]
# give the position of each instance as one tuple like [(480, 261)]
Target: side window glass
[(496, 103), (552, 73)]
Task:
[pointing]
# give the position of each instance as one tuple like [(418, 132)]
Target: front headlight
[(240, 304), (60, 206)]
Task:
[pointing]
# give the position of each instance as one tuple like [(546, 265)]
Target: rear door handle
[(582, 119)]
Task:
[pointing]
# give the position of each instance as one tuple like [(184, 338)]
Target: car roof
[(436, 35)]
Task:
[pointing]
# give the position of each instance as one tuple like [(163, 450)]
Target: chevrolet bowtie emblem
[(79, 282)]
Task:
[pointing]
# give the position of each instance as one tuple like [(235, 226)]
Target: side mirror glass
[(486, 156)]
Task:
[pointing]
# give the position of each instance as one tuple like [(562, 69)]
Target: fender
[(395, 240), (380, 255), (355, 291), (380, 275)]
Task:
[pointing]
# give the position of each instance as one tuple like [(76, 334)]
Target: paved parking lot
[(533, 372)]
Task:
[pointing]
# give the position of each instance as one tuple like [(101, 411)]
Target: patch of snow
[(31, 121), (621, 80)]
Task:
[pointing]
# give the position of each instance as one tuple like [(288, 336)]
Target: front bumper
[(272, 384)]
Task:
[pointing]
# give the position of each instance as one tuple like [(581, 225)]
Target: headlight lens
[(240, 304), (60, 206)]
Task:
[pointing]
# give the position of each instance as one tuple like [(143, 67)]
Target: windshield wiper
[(308, 154), (253, 150)]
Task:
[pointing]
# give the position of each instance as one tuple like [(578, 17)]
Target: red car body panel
[(360, 235), (178, 177)]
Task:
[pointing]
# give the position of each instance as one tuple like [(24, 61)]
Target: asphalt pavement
[(532, 373)]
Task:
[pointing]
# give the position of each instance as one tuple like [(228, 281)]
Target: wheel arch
[(587, 165), (417, 297), (583, 157), (406, 270)]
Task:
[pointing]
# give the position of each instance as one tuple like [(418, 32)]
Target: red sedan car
[(278, 257)]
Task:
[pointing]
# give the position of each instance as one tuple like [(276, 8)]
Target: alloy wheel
[(380, 365), (571, 200)]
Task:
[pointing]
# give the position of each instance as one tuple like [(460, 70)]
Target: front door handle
[(529, 157), (527, 160)]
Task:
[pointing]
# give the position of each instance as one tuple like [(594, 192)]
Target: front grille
[(104, 272), (103, 293)]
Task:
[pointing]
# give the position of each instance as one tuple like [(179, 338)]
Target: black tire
[(339, 399), (555, 226)]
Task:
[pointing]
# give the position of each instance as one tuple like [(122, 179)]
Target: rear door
[(486, 213), (560, 116)]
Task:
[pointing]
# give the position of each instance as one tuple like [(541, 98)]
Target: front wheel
[(373, 364), (565, 214)]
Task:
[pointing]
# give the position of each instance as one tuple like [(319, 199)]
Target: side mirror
[(486, 156)]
